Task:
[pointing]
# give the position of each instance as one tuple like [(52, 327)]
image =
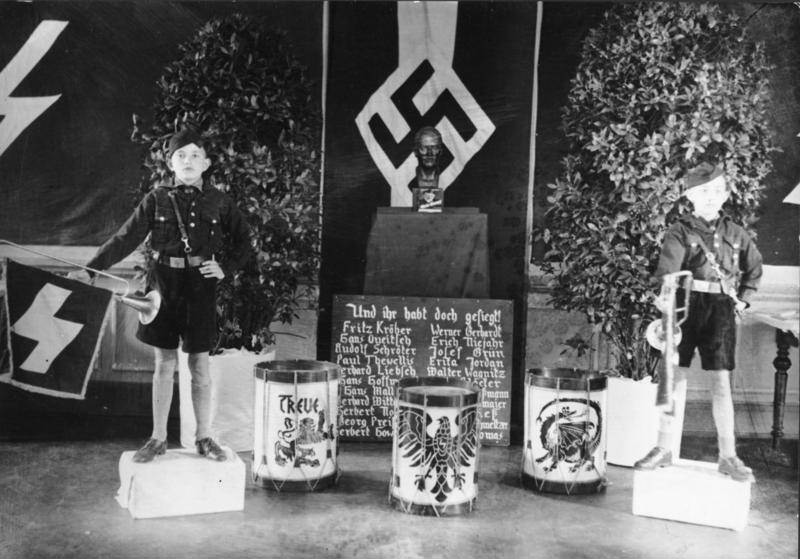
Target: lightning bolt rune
[(19, 112), (40, 324)]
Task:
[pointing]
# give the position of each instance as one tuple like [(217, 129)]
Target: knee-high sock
[(163, 378), (722, 410), (671, 421), (201, 393)]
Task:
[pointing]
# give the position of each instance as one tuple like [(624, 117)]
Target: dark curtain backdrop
[(70, 177), (493, 57)]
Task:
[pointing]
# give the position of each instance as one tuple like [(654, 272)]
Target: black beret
[(184, 137), (701, 174)]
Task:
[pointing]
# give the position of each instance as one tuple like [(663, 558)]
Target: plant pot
[(633, 420), (231, 398)]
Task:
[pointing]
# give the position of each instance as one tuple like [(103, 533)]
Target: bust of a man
[(427, 149)]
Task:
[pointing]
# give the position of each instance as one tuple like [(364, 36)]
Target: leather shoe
[(734, 467), (658, 457), (151, 449), (208, 448)]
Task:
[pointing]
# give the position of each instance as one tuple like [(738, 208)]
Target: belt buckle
[(176, 262), (705, 286)]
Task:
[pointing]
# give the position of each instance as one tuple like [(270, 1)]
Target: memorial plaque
[(377, 340)]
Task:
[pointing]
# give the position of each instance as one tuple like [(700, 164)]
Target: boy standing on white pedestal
[(726, 270), (186, 221)]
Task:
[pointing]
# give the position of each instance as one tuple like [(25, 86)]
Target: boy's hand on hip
[(211, 269), (740, 307)]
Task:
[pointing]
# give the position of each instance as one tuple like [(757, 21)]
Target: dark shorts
[(188, 311), (711, 328)]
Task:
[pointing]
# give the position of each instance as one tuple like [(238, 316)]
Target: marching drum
[(295, 443), (565, 439), (435, 449)]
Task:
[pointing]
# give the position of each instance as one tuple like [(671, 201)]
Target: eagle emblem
[(442, 456)]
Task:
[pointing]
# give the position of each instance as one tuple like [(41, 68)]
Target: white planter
[(632, 420), (231, 398)]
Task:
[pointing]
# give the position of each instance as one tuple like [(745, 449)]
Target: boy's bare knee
[(721, 382), (198, 367), (166, 362), (196, 359), (166, 355)]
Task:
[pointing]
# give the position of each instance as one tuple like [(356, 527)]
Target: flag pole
[(100, 272), (323, 101)]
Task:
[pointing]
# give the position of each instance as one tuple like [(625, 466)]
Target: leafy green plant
[(576, 346), (660, 87), (577, 351), (239, 84)]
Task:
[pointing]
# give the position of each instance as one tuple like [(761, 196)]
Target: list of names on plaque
[(378, 340)]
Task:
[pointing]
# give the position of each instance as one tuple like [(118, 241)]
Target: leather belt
[(704, 286), (180, 262)]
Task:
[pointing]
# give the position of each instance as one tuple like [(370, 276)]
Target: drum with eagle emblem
[(436, 443), (565, 440), (295, 445)]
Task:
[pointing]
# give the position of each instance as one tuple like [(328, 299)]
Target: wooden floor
[(58, 501)]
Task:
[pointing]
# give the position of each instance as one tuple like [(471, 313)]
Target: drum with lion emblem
[(295, 443), (436, 443), (565, 440)]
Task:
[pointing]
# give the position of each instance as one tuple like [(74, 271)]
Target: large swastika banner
[(465, 68)]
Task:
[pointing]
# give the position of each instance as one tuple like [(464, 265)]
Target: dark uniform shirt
[(207, 213), (732, 246)]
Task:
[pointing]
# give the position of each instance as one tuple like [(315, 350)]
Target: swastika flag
[(53, 326), (465, 68)]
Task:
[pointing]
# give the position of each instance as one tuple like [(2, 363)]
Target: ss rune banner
[(53, 327), (465, 68), (72, 74)]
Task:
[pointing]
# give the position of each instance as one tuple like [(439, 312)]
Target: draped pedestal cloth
[(428, 255)]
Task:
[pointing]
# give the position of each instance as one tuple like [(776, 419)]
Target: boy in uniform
[(726, 270), (186, 220)]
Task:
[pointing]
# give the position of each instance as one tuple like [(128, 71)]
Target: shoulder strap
[(184, 235), (725, 281), (699, 240)]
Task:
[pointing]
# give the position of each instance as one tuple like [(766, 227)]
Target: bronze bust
[(428, 146), (428, 150)]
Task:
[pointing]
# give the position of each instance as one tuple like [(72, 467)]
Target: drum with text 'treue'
[(295, 445)]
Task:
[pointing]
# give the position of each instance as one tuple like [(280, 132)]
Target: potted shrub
[(660, 87), (239, 83)]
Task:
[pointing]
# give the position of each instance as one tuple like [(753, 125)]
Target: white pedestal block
[(694, 492), (181, 482)]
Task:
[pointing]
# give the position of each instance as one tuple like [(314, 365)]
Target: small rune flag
[(53, 327)]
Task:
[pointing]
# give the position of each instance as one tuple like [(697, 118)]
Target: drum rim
[(410, 507), (436, 400), (296, 371), (565, 378), (279, 485), (542, 485)]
